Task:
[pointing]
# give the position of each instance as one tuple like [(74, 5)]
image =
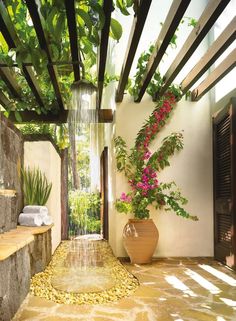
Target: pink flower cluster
[(151, 129), (125, 198), (148, 181)]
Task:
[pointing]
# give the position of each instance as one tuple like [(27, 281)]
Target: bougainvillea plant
[(141, 167)]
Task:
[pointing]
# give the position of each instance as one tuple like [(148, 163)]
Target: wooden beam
[(134, 37), (102, 57), (4, 101), (9, 34), (213, 53), (215, 76), (204, 24), (95, 115), (4, 30), (171, 23), (54, 63), (33, 117), (33, 10), (71, 22), (104, 116), (8, 77)]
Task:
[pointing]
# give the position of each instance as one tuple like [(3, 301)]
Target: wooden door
[(104, 193), (224, 158)]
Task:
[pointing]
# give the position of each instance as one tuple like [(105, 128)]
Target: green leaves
[(122, 5), (82, 14), (85, 210), (121, 155), (172, 143), (123, 207), (90, 19), (35, 187), (116, 29)]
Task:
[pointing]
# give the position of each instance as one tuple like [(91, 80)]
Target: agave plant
[(35, 187)]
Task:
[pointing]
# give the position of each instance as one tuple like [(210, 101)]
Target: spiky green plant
[(35, 186)]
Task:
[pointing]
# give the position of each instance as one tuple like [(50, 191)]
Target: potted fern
[(36, 190), (35, 187)]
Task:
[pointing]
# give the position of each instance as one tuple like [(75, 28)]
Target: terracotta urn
[(140, 239)]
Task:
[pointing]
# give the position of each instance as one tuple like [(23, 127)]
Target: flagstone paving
[(180, 289)]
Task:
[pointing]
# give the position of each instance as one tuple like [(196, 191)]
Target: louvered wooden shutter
[(224, 152)]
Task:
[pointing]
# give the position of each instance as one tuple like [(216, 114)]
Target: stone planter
[(140, 239)]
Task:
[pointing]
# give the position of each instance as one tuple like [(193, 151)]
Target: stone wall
[(23, 252), (40, 252), (15, 282), (11, 161), (8, 213)]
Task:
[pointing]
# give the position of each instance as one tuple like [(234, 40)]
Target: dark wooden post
[(64, 194)]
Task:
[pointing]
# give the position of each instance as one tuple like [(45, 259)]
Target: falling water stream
[(83, 268)]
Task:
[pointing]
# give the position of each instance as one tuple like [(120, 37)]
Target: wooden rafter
[(12, 41), (215, 76), (104, 115), (204, 24), (102, 58), (7, 76), (212, 54), (33, 10), (171, 23), (135, 34), (71, 22), (4, 101), (33, 117)]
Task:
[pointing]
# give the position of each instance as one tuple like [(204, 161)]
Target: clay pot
[(140, 239)]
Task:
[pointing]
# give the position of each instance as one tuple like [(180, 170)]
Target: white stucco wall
[(191, 169), (42, 154)]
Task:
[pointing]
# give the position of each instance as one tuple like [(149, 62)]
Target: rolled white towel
[(30, 219), (42, 215), (35, 209), (47, 220)]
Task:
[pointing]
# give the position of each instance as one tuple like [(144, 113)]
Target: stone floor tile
[(192, 314), (74, 309), (145, 291), (36, 301), (60, 318), (112, 314), (125, 304), (102, 319), (142, 316), (156, 299), (28, 315)]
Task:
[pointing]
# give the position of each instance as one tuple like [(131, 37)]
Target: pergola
[(206, 21)]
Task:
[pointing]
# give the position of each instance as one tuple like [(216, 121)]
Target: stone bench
[(24, 251)]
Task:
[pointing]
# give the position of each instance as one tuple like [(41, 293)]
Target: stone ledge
[(34, 229), (12, 241)]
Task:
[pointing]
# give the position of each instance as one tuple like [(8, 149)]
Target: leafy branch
[(172, 143), (157, 80), (122, 157)]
